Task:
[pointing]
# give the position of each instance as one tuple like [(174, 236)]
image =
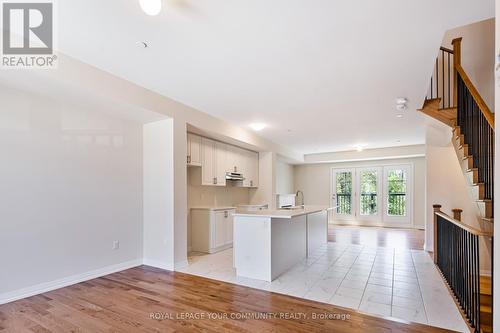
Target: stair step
[(472, 175), (485, 207), (486, 329), (477, 191), (468, 162), (487, 219), (446, 116), (465, 148), (485, 285), (486, 315)]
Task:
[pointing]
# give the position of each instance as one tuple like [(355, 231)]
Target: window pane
[(368, 187), (344, 192), (396, 183)]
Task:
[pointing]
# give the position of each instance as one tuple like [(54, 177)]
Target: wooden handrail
[(445, 49), (464, 226), (477, 97)]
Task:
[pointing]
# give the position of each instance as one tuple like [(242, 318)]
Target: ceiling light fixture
[(257, 126), (151, 7), (401, 100)]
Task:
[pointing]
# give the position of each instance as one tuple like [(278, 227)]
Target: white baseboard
[(158, 264), (15, 295)]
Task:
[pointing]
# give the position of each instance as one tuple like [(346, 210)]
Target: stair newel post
[(437, 209), (457, 214), (457, 61)]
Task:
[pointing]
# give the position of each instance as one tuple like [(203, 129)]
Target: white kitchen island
[(269, 242)]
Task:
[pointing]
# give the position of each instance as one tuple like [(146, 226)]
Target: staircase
[(453, 100)]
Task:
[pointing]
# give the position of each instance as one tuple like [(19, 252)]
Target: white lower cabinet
[(211, 229)]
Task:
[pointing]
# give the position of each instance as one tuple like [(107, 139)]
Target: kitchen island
[(267, 243)]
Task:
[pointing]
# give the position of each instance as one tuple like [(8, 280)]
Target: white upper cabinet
[(250, 169), (220, 163), (213, 162), (217, 158), (193, 149), (208, 173)]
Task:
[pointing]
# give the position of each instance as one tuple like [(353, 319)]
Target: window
[(344, 192), (368, 191), (397, 192)]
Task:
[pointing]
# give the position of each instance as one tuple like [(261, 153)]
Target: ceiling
[(324, 75)]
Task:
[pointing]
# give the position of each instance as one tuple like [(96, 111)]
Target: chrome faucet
[(297, 195)]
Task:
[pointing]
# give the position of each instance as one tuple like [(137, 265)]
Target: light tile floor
[(391, 282)]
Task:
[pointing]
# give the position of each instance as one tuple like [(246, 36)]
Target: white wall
[(285, 182), (158, 201), (71, 184), (315, 181), (478, 55)]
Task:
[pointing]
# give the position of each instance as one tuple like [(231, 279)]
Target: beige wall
[(314, 180), (285, 182), (478, 55)]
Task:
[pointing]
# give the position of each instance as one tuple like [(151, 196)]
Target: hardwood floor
[(127, 301), (377, 236)]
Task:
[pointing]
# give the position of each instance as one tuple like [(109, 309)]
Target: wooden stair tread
[(486, 308), (486, 329), (431, 109), (484, 200), (485, 285)]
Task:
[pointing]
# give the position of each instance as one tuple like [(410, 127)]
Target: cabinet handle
[(189, 159), (235, 169), (251, 183), (226, 214), (215, 180)]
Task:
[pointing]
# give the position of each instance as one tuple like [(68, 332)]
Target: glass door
[(343, 194), (369, 190), (397, 201)]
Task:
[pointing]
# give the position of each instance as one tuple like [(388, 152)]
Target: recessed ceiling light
[(151, 7), (399, 116), (401, 100), (257, 126), (142, 45), (401, 107)]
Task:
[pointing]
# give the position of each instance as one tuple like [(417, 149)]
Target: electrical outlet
[(116, 245)]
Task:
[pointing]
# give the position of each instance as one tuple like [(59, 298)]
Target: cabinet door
[(229, 226), (194, 149), (208, 162), (254, 167), (220, 229), (231, 159), (188, 148), (245, 167), (220, 163)]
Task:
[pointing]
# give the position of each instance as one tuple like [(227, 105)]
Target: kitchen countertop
[(282, 213), (214, 208)]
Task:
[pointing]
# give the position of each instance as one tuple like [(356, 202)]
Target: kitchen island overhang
[(268, 243)]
